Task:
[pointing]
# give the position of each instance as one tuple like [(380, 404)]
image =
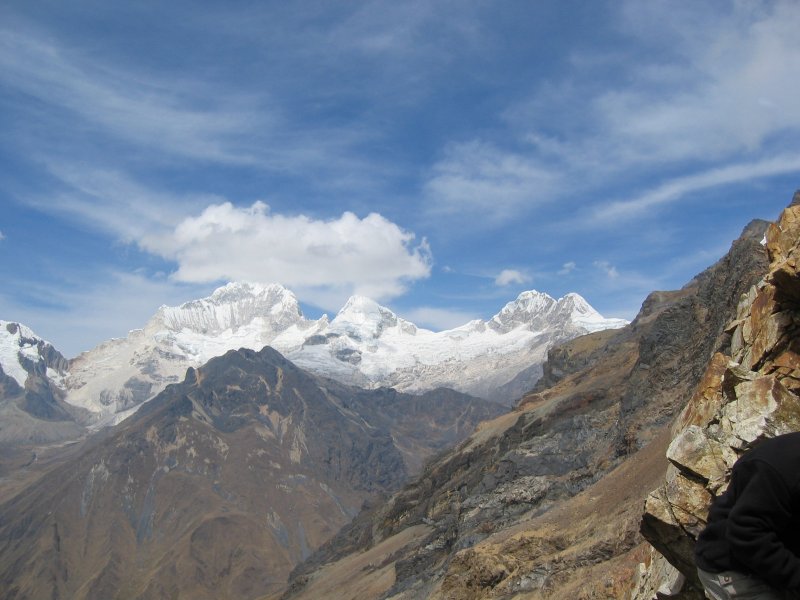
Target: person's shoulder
[(777, 447), (780, 453)]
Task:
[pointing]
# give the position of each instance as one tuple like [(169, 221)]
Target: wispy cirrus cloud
[(124, 116), (719, 105), (477, 177), (728, 89), (166, 116), (113, 202), (674, 190), (82, 312)]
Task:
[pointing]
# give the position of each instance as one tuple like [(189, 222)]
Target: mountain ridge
[(219, 485), (545, 501), (365, 344)]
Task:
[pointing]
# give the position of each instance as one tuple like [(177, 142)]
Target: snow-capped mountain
[(369, 345), (117, 376), (365, 344), (32, 374), (22, 353)]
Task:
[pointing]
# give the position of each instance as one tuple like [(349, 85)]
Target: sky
[(439, 157)]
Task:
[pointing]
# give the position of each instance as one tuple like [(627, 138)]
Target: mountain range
[(545, 501), (365, 344), (254, 473), (218, 486)]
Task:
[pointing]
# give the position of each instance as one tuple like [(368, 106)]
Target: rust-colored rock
[(751, 396)]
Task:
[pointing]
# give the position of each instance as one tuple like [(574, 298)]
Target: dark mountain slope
[(216, 488), (609, 396)]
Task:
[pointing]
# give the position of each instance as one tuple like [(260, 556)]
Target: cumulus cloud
[(511, 276), (2, 236), (321, 260)]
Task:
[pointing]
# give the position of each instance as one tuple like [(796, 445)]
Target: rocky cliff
[(747, 393), (545, 501)]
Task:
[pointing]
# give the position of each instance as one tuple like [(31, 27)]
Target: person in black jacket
[(750, 547)]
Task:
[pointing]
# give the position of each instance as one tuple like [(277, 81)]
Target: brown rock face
[(220, 485), (746, 396)]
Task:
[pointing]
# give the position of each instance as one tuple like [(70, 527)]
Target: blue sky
[(440, 157)]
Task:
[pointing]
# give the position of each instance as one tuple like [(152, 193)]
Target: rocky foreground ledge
[(752, 394)]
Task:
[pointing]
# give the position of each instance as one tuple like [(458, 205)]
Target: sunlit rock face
[(747, 395)]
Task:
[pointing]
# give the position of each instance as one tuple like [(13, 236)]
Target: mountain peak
[(577, 304), (235, 290), (528, 309), (21, 351), (363, 317), (234, 305), (578, 311)]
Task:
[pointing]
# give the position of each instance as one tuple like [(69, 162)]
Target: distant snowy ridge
[(365, 344), (22, 351), (234, 306)]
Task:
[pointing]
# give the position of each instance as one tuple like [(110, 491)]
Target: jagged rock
[(699, 455), (657, 578), (762, 407), (751, 395)]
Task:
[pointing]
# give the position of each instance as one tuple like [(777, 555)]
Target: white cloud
[(478, 177), (511, 276), (166, 115), (2, 236), (438, 319), (713, 91), (679, 187), (567, 268), (607, 268), (322, 261)]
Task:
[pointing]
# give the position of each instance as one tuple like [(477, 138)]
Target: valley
[(255, 477)]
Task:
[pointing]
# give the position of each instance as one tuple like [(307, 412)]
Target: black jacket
[(754, 527)]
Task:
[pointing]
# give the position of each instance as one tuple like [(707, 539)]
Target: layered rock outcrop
[(745, 396)]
